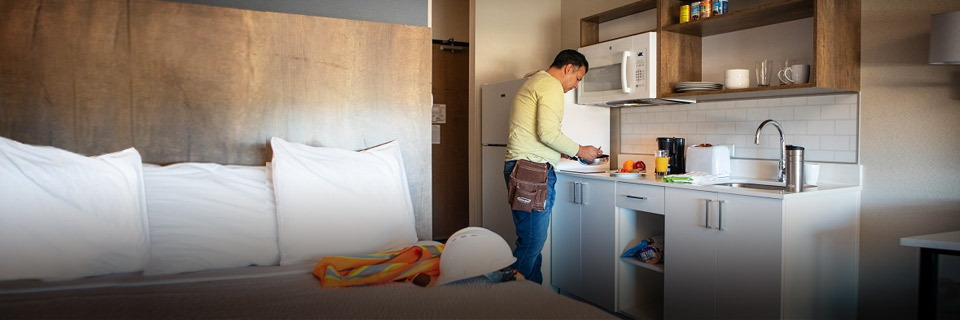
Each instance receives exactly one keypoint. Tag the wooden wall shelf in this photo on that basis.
(762, 15)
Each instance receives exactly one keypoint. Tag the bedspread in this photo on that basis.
(291, 293)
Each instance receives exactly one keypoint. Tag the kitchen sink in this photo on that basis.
(752, 186)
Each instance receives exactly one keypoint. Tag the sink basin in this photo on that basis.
(752, 186)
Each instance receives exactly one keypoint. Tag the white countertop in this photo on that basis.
(651, 179)
(944, 241)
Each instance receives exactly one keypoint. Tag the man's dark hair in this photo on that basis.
(570, 56)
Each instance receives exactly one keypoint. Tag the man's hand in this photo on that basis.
(588, 153)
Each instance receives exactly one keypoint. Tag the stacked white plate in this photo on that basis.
(696, 86)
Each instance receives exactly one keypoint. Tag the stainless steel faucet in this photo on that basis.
(781, 166)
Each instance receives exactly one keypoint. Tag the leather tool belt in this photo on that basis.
(527, 186)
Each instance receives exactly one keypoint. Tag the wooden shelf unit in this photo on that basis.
(836, 43)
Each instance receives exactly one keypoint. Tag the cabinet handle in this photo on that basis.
(584, 192)
(636, 197)
(706, 222)
(720, 215)
(576, 192)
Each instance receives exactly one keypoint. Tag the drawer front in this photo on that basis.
(640, 197)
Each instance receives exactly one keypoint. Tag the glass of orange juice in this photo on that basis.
(661, 161)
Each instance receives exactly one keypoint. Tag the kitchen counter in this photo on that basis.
(651, 179)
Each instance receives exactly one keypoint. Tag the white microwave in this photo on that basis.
(622, 69)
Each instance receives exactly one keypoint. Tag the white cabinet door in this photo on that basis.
(565, 237)
(748, 257)
(597, 244)
(689, 255)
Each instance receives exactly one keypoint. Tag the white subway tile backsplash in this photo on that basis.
(746, 104)
(768, 102)
(826, 126)
(818, 155)
(716, 115)
(794, 101)
(807, 113)
(680, 116)
(706, 127)
(758, 114)
(835, 112)
(821, 127)
(840, 143)
(736, 114)
(845, 156)
(846, 127)
(820, 100)
(726, 128)
(850, 98)
(781, 113)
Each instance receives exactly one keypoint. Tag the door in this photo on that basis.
(689, 254)
(565, 237)
(598, 249)
(450, 179)
(748, 257)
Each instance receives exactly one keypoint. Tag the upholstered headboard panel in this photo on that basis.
(184, 82)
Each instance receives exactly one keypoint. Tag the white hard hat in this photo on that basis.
(471, 252)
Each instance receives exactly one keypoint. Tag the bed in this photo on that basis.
(208, 215)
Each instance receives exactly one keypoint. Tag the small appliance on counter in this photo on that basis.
(675, 150)
(714, 160)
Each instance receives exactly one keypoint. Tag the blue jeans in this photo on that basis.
(531, 229)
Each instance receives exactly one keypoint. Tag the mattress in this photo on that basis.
(280, 292)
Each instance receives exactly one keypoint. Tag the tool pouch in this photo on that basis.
(528, 186)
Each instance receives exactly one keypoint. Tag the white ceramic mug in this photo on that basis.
(811, 173)
(736, 79)
(798, 73)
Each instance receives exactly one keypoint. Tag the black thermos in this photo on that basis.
(674, 147)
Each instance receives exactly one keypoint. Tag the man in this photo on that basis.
(535, 135)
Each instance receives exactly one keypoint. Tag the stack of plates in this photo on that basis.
(696, 86)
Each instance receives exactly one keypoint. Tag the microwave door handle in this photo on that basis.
(623, 72)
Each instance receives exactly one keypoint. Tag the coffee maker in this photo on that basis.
(674, 147)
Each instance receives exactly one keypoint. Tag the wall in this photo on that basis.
(909, 148)
(451, 19)
(408, 12)
(507, 39)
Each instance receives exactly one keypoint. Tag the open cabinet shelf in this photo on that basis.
(634, 261)
(834, 46)
(762, 15)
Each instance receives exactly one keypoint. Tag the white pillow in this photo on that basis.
(336, 202)
(209, 216)
(64, 216)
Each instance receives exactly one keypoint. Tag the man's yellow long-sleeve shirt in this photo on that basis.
(535, 122)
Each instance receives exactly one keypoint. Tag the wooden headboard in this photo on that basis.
(183, 82)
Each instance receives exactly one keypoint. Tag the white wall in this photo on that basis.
(910, 146)
(507, 40)
(451, 19)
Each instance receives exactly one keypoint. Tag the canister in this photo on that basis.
(695, 10)
(794, 168)
(684, 13)
(705, 9)
(719, 7)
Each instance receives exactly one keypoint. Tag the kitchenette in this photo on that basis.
(756, 211)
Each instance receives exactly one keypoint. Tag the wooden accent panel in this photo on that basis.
(451, 211)
(183, 82)
(590, 26)
(63, 79)
(837, 45)
(679, 56)
(589, 33)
